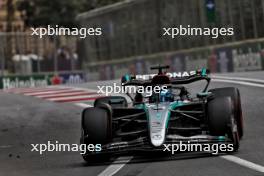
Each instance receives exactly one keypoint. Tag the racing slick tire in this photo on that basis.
(113, 101)
(96, 129)
(221, 119)
(236, 100)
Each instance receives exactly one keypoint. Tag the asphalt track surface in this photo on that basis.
(27, 120)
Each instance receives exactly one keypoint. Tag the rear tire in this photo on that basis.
(236, 100)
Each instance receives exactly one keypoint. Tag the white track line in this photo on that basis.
(31, 90)
(239, 82)
(5, 146)
(66, 94)
(75, 97)
(83, 105)
(244, 163)
(239, 79)
(51, 92)
(115, 166)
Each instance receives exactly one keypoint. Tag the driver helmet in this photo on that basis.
(166, 95)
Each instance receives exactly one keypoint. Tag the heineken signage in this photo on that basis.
(8, 82)
(15, 81)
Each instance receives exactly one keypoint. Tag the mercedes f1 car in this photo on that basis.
(166, 117)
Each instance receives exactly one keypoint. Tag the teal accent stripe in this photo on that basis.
(127, 77)
(203, 72)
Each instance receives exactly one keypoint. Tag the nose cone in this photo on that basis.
(158, 117)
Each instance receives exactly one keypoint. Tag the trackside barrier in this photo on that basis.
(40, 80)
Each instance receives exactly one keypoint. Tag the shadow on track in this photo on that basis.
(145, 158)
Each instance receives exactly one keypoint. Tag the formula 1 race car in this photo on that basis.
(168, 116)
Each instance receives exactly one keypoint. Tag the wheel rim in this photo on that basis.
(234, 133)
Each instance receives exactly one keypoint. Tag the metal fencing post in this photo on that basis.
(262, 5)
(230, 16)
(55, 56)
(71, 53)
(241, 18)
(2, 54)
(38, 57)
(254, 20)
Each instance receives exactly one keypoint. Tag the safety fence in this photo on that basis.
(234, 57)
(134, 27)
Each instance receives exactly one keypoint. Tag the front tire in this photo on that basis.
(96, 129)
(113, 101)
(221, 119)
(236, 101)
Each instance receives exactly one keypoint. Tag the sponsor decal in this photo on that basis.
(171, 75)
(156, 137)
(156, 124)
(75, 78)
(181, 74)
(56, 80)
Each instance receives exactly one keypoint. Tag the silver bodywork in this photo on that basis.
(158, 115)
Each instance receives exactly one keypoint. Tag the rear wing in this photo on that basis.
(190, 77)
(174, 75)
(175, 78)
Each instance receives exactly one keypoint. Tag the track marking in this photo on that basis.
(76, 98)
(239, 82)
(59, 94)
(66, 94)
(31, 90)
(51, 92)
(239, 79)
(244, 163)
(115, 166)
(83, 105)
(5, 146)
